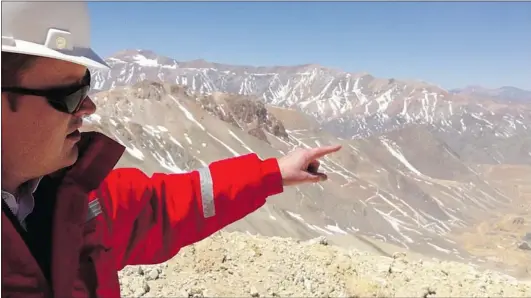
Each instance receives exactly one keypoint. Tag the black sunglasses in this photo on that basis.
(67, 99)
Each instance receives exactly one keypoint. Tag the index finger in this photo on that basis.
(316, 153)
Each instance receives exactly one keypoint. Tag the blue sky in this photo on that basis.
(450, 44)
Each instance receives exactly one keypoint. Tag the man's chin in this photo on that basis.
(72, 156)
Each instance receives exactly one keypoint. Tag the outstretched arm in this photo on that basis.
(153, 218)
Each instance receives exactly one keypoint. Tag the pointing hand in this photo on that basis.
(302, 165)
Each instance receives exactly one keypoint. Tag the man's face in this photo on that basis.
(36, 138)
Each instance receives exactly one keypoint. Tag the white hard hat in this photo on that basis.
(58, 30)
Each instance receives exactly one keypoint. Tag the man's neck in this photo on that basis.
(12, 184)
(27, 187)
(11, 188)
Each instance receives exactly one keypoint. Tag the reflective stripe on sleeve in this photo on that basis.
(207, 192)
(94, 209)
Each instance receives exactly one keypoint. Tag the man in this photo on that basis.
(69, 221)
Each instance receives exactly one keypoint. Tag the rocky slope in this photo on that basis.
(242, 265)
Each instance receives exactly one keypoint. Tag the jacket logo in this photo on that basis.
(94, 209)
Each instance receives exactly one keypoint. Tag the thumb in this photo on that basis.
(314, 177)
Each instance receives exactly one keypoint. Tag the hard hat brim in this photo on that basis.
(82, 56)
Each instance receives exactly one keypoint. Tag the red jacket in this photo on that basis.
(105, 219)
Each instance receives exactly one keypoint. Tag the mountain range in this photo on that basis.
(420, 166)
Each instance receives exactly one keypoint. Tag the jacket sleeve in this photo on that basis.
(152, 218)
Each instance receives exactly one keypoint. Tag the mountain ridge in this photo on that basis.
(310, 65)
(348, 104)
(503, 93)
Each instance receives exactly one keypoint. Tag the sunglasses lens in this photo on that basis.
(74, 100)
(70, 103)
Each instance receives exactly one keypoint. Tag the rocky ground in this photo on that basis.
(240, 265)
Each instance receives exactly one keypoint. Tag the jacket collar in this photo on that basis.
(98, 154)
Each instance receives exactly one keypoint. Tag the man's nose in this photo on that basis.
(88, 107)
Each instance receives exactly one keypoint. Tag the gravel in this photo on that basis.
(240, 265)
